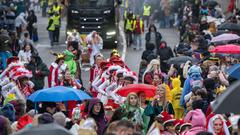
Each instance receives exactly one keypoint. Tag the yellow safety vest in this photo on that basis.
(56, 20)
(129, 25)
(135, 22)
(56, 9)
(124, 3)
(52, 27)
(146, 10)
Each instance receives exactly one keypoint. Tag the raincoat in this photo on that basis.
(69, 61)
(176, 93)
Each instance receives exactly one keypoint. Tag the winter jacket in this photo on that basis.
(38, 78)
(71, 64)
(5, 42)
(165, 53)
(100, 119)
(31, 20)
(158, 38)
(20, 20)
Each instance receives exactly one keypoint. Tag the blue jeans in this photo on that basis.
(162, 23)
(5, 56)
(50, 34)
(138, 41)
(167, 21)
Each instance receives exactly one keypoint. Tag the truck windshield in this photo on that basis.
(95, 3)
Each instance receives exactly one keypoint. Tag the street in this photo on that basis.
(173, 67)
(132, 57)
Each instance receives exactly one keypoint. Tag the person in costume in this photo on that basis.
(132, 111)
(168, 123)
(70, 62)
(68, 81)
(158, 104)
(217, 125)
(95, 44)
(56, 70)
(197, 120)
(95, 69)
(15, 79)
(152, 68)
(176, 93)
(99, 79)
(158, 80)
(114, 86)
(130, 77)
(194, 79)
(102, 94)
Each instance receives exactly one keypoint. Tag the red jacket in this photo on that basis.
(138, 28)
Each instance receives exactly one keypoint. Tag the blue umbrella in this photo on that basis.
(58, 94)
(234, 71)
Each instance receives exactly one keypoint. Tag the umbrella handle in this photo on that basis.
(35, 107)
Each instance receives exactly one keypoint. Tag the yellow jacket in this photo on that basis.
(176, 92)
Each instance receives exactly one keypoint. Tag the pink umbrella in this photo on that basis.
(227, 49)
(225, 37)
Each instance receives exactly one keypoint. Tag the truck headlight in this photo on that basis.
(74, 11)
(107, 12)
(111, 33)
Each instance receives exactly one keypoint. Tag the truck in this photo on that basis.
(85, 16)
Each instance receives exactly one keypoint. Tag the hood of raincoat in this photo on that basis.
(196, 118)
(176, 82)
(68, 55)
(92, 102)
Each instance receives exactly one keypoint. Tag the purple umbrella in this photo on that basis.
(225, 37)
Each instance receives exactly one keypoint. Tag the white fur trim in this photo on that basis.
(30, 83)
(18, 69)
(54, 65)
(23, 74)
(4, 81)
(185, 69)
(114, 68)
(111, 88)
(131, 75)
(185, 124)
(170, 120)
(211, 125)
(9, 67)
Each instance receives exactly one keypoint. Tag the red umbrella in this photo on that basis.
(227, 49)
(149, 90)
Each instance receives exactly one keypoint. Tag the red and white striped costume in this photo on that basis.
(10, 80)
(53, 76)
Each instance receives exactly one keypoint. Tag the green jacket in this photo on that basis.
(70, 62)
(130, 114)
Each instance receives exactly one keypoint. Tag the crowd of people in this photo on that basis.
(184, 90)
